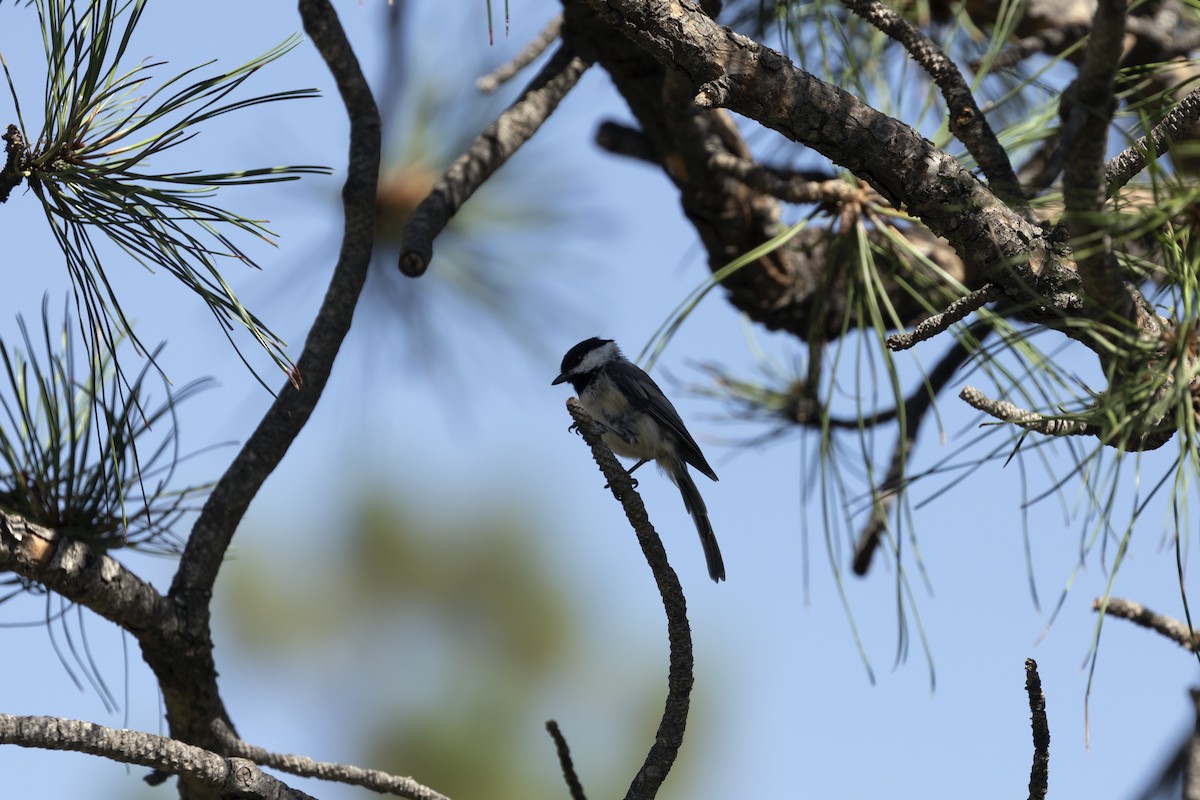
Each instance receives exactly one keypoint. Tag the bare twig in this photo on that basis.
(1089, 102)
(509, 70)
(564, 761)
(1039, 773)
(1174, 126)
(666, 745)
(230, 777)
(956, 311)
(373, 779)
(967, 121)
(916, 408)
(792, 189)
(1175, 630)
(515, 126)
(1030, 420)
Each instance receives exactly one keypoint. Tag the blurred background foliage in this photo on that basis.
(443, 627)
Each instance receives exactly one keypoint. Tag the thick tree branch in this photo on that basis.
(515, 126)
(679, 678)
(734, 72)
(227, 777)
(85, 576)
(967, 121)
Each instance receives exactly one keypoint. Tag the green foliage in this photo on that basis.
(104, 122)
(69, 446)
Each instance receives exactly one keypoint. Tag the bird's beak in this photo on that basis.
(558, 380)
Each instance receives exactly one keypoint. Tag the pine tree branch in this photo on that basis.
(373, 779)
(515, 126)
(1133, 159)
(83, 575)
(671, 728)
(1039, 772)
(510, 69)
(227, 777)
(1090, 103)
(967, 121)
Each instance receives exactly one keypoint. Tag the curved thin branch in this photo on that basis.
(294, 404)
(509, 70)
(1174, 126)
(564, 761)
(967, 121)
(667, 741)
(1039, 772)
(515, 126)
(373, 779)
(230, 777)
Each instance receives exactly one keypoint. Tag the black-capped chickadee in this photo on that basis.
(641, 423)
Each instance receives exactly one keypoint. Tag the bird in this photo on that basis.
(639, 422)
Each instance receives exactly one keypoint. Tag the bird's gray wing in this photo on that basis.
(642, 389)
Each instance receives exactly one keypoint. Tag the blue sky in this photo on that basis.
(783, 704)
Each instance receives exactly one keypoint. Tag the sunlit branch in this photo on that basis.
(373, 779)
(1030, 420)
(791, 189)
(1175, 630)
(1173, 127)
(81, 574)
(228, 777)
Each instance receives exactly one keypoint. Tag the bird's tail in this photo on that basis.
(694, 504)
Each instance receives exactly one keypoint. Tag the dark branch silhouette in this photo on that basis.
(679, 679)
(1039, 773)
